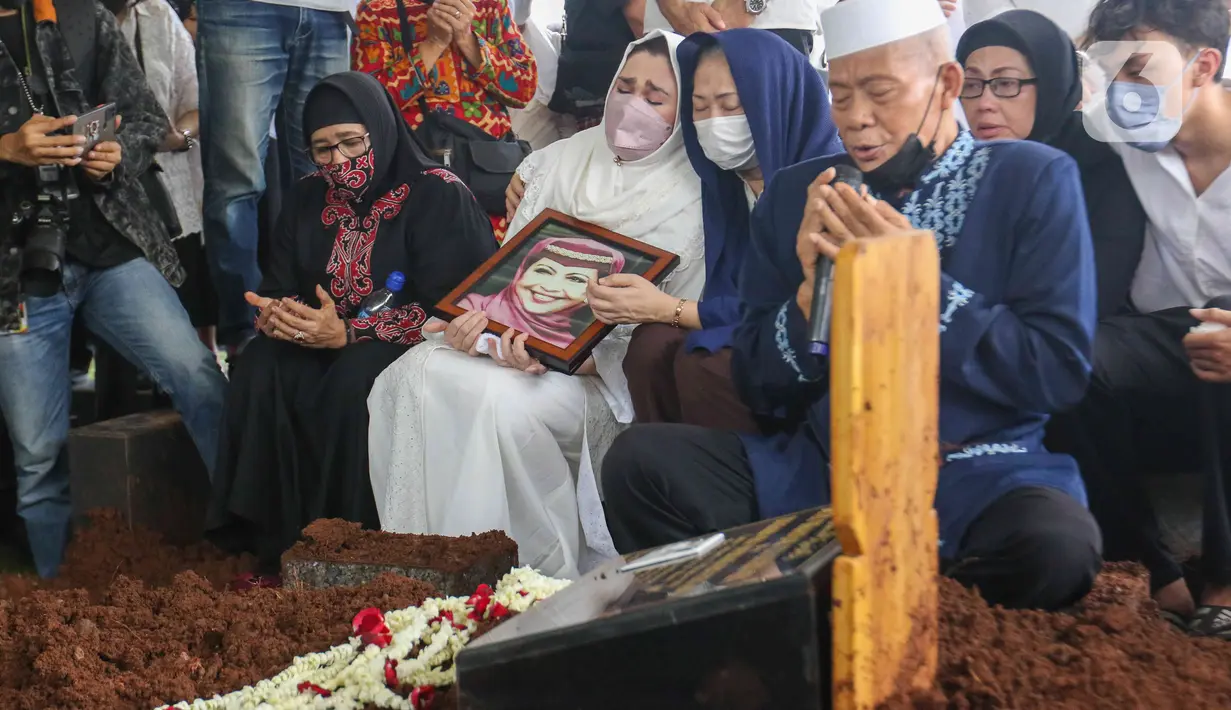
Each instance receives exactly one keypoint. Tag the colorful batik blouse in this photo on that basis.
(479, 95)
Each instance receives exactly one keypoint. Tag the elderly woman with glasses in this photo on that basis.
(295, 437)
(1024, 81)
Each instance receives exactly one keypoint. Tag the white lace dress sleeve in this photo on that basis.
(532, 172)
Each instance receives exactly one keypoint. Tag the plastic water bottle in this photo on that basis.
(382, 300)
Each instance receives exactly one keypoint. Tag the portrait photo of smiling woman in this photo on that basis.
(545, 293)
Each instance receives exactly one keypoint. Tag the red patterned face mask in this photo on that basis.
(352, 178)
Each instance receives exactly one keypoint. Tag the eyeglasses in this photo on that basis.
(1002, 87)
(349, 148)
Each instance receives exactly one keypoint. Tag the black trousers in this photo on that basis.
(799, 39)
(1033, 548)
(1146, 412)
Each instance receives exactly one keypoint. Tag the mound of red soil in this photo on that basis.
(332, 540)
(98, 638)
(105, 547)
(1112, 652)
(143, 647)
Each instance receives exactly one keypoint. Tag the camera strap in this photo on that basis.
(137, 39)
(24, 75)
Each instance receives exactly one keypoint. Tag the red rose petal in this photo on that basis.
(369, 625)
(378, 640)
(421, 697)
(314, 688)
(391, 673)
(368, 621)
(499, 611)
(523, 592)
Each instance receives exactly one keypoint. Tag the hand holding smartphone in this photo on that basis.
(97, 126)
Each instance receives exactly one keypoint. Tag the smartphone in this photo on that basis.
(97, 126)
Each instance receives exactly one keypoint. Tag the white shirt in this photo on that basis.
(778, 15)
(327, 5)
(171, 72)
(1187, 255)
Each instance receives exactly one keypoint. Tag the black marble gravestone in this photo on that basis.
(743, 627)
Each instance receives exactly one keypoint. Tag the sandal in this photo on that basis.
(1176, 620)
(1210, 621)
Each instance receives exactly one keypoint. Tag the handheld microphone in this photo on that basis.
(822, 295)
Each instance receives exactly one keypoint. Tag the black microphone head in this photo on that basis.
(848, 174)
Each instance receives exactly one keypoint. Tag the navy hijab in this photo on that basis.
(787, 105)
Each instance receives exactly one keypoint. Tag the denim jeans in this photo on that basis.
(252, 59)
(133, 309)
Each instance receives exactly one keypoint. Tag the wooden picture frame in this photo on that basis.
(542, 295)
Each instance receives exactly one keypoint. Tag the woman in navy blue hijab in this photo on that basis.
(758, 106)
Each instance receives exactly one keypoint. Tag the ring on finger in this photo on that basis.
(300, 336)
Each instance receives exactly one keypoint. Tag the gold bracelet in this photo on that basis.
(675, 322)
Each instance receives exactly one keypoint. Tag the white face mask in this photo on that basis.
(727, 140)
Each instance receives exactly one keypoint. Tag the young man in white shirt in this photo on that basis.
(1162, 372)
(254, 56)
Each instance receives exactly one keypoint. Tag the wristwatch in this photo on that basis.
(755, 7)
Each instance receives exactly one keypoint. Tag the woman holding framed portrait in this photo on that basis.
(758, 106)
(467, 439)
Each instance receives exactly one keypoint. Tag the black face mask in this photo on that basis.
(12, 4)
(904, 168)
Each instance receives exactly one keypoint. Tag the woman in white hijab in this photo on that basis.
(467, 437)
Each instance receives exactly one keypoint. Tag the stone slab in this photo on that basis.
(300, 572)
(744, 626)
(146, 466)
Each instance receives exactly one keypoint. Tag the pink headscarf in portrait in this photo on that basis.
(506, 308)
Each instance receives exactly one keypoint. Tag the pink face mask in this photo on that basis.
(634, 128)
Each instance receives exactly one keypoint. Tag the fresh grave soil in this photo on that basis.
(332, 540)
(133, 623)
(105, 547)
(1111, 652)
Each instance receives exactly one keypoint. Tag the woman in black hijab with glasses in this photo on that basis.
(1023, 81)
(295, 438)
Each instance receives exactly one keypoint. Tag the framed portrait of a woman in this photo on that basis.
(536, 284)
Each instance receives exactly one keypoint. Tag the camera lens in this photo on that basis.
(42, 260)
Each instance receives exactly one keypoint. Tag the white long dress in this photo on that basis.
(461, 445)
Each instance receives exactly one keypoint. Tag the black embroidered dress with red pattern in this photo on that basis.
(294, 441)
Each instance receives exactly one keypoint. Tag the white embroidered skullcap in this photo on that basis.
(855, 25)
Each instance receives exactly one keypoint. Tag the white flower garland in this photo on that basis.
(356, 674)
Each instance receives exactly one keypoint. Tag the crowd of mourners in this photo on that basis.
(1079, 192)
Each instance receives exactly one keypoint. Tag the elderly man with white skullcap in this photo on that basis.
(1017, 317)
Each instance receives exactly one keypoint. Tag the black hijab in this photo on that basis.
(354, 97)
(1117, 221)
(1052, 58)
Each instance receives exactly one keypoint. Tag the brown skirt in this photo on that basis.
(671, 385)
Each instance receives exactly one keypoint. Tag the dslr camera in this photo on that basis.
(42, 228)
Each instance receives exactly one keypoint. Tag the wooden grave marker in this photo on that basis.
(884, 417)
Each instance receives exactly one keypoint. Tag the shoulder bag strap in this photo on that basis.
(137, 39)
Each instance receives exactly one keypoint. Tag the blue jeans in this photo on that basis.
(133, 309)
(252, 58)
